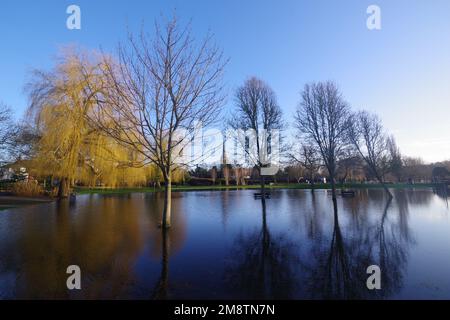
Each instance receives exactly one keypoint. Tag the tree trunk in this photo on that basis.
(226, 175)
(63, 189)
(263, 190)
(381, 180)
(333, 187)
(312, 182)
(161, 289)
(167, 203)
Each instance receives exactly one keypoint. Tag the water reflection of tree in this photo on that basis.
(166, 242)
(86, 236)
(392, 255)
(104, 235)
(403, 200)
(338, 271)
(261, 265)
(160, 292)
(178, 226)
(330, 275)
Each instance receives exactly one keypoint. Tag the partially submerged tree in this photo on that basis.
(160, 87)
(321, 118)
(365, 133)
(258, 115)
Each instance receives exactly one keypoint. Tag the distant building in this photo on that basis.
(6, 174)
(14, 172)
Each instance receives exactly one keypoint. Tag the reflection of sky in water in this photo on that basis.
(221, 246)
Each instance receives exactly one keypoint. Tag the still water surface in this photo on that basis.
(226, 245)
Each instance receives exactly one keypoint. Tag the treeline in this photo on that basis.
(351, 170)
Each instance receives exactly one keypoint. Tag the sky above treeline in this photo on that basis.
(401, 72)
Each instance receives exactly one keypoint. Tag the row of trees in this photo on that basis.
(116, 119)
(334, 133)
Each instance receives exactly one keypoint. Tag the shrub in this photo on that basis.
(27, 189)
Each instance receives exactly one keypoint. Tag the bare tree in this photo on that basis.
(7, 129)
(24, 139)
(309, 159)
(321, 118)
(257, 111)
(365, 133)
(159, 88)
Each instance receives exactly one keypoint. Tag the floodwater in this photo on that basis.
(226, 245)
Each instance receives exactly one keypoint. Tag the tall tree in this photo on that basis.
(257, 112)
(159, 87)
(365, 133)
(58, 106)
(66, 146)
(321, 118)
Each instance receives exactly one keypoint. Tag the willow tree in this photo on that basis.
(58, 106)
(158, 87)
(69, 148)
(107, 163)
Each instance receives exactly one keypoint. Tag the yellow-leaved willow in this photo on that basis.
(70, 149)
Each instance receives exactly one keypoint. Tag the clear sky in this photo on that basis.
(401, 72)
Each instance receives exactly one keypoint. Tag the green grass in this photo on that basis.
(84, 190)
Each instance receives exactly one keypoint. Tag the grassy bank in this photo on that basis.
(83, 190)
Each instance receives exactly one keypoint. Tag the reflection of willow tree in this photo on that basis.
(104, 235)
(261, 265)
(90, 239)
(338, 271)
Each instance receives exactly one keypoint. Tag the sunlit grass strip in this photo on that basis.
(100, 190)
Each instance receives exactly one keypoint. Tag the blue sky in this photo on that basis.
(401, 72)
